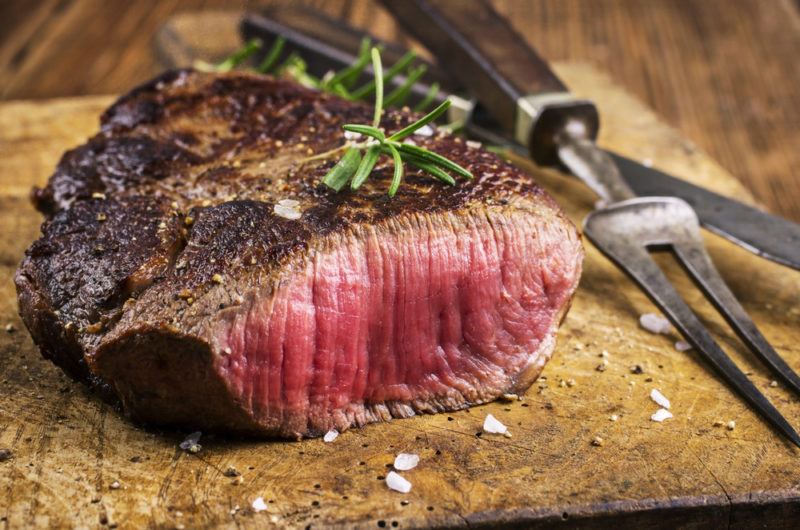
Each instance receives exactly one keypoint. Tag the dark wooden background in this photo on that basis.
(724, 72)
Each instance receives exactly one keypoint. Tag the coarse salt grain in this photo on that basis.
(661, 415)
(472, 144)
(259, 505)
(397, 483)
(191, 441)
(659, 398)
(682, 345)
(425, 130)
(330, 436)
(289, 203)
(406, 461)
(492, 425)
(655, 323)
(614, 417)
(286, 212)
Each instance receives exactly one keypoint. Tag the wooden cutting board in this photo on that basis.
(76, 462)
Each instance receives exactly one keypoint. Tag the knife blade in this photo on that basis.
(764, 234)
(331, 44)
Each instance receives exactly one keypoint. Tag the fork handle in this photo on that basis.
(480, 49)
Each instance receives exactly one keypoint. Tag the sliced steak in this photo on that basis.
(169, 274)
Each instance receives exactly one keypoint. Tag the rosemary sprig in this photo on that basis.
(399, 95)
(240, 56)
(339, 83)
(356, 169)
(348, 76)
(272, 56)
(401, 64)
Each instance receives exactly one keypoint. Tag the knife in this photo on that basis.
(327, 44)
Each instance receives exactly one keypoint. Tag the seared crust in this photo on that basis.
(176, 194)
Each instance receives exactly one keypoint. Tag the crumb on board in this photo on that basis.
(597, 441)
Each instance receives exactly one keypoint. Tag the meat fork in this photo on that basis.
(488, 57)
(629, 228)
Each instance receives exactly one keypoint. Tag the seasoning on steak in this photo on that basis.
(165, 275)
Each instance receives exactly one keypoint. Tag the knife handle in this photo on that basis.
(482, 51)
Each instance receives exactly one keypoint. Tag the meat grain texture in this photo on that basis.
(165, 279)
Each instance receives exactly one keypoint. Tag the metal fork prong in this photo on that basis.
(623, 232)
(698, 264)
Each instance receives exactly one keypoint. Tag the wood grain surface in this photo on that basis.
(724, 72)
(75, 462)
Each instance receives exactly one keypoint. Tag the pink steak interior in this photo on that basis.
(441, 312)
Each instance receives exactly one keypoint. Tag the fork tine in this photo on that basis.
(702, 269)
(623, 232)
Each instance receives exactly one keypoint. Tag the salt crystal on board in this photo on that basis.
(406, 461)
(397, 483)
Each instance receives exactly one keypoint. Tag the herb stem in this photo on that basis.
(391, 73)
(377, 68)
(238, 57)
(272, 55)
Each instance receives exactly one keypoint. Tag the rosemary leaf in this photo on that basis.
(399, 95)
(345, 168)
(428, 99)
(433, 170)
(296, 67)
(377, 68)
(429, 117)
(366, 166)
(239, 56)
(340, 91)
(390, 74)
(272, 56)
(366, 130)
(398, 170)
(434, 158)
(348, 76)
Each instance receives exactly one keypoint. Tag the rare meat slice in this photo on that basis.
(192, 266)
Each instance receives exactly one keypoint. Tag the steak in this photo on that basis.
(192, 266)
